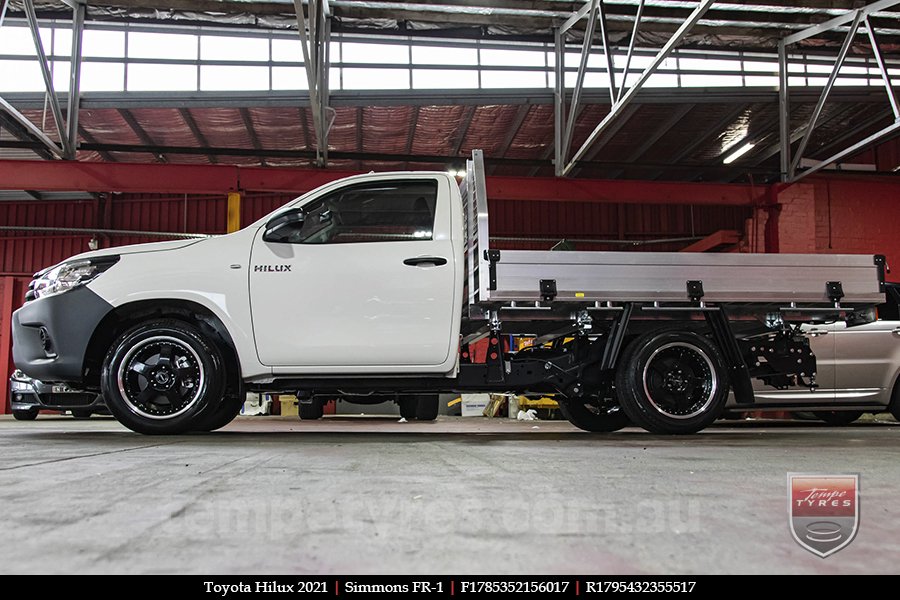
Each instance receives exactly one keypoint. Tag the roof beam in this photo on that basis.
(514, 128)
(439, 159)
(464, 124)
(86, 136)
(140, 133)
(47, 176)
(23, 132)
(189, 120)
(307, 140)
(251, 133)
(715, 129)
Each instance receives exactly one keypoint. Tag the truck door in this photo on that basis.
(364, 280)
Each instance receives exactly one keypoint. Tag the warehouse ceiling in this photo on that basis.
(671, 134)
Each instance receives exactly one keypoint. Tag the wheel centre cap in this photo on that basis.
(163, 378)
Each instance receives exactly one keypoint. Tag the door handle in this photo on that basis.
(895, 330)
(415, 261)
(818, 332)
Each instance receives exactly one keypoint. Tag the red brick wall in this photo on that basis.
(834, 216)
(856, 216)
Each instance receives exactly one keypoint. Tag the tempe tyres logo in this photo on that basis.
(823, 511)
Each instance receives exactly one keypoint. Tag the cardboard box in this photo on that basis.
(473, 405)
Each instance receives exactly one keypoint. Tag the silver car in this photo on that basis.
(27, 397)
(858, 370)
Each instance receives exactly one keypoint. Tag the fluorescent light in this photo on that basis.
(738, 153)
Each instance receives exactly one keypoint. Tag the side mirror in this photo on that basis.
(278, 227)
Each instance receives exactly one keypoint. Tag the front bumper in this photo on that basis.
(51, 335)
(26, 395)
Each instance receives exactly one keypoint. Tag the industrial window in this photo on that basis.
(388, 211)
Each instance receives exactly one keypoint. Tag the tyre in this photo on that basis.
(838, 418)
(312, 411)
(227, 411)
(672, 382)
(29, 414)
(427, 406)
(894, 406)
(163, 377)
(408, 405)
(81, 413)
(591, 414)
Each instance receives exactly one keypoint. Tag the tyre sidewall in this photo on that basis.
(575, 411)
(211, 393)
(630, 387)
(26, 415)
(427, 407)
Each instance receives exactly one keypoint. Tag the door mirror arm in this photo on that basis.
(279, 226)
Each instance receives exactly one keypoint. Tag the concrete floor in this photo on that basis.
(467, 496)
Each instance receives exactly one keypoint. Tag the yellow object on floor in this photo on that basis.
(537, 403)
(288, 405)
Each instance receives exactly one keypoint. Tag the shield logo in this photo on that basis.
(823, 511)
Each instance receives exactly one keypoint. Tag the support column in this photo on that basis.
(773, 210)
(234, 212)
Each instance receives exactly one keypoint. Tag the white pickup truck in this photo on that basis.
(375, 286)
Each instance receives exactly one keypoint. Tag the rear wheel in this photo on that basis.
(312, 411)
(407, 405)
(894, 407)
(594, 414)
(672, 382)
(29, 414)
(163, 377)
(427, 407)
(838, 418)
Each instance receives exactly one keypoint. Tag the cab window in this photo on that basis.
(384, 211)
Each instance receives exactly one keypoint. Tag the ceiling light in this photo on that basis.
(738, 153)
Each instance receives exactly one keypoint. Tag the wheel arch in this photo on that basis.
(128, 315)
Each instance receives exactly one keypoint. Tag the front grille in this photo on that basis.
(68, 399)
(29, 294)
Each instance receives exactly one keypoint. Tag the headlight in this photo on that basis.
(19, 381)
(71, 275)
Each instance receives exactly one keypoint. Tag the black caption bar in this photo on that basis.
(356, 587)
(214, 587)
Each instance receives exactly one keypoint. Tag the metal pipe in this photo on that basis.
(45, 72)
(848, 151)
(784, 119)
(633, 90)
(74, 100)
(611, 72)
(579, 80)
(558, 98)
(817, 112)
(631, 44)
(33, 129)
(836, 22)
(876, 51)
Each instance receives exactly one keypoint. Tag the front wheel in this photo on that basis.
(838, 418)
(29, 414)
(163, 377)
(672, 382)
(592, 414)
